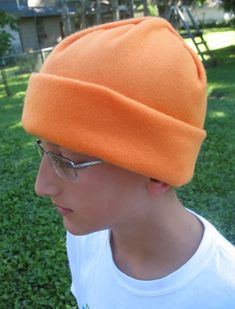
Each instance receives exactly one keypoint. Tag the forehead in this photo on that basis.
(70, 153)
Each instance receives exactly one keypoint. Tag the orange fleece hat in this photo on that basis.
(129, 92)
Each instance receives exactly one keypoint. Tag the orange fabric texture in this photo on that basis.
(129, 92)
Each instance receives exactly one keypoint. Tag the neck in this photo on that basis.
(158, 242)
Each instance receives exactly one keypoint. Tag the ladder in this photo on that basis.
(176, 17)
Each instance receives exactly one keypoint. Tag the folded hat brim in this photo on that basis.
(97, 121)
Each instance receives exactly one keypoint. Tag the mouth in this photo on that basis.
(63, 211)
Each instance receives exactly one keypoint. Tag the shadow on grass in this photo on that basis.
(226, 54)
(221, 78)
(221, 56)
(16, 84)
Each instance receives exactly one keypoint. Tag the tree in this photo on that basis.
(5, 37)
(163, 6)
(229, 5)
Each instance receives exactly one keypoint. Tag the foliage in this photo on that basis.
(5, 37)
(228, 5)
(33, 269)
(163, 6)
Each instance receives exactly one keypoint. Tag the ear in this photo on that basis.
(157, 187)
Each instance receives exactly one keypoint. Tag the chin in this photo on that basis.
(80, 229)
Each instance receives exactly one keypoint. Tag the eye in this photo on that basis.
(61, 162)
(56, 160)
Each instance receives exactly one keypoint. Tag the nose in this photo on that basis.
(46, 183)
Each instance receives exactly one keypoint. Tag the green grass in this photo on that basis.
(212, 191)
(214, 181)
(33, 268)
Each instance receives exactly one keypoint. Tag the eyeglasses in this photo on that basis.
(64, 167)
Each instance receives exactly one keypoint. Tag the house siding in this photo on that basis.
(52, 28)
(45, 34)
(28, 34)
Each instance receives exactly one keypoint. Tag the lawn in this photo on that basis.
(33, 269)
(212, 191)
(216, 38)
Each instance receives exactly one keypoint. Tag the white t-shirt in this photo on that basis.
(206, 281)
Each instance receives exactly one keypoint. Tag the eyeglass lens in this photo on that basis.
(62, 166)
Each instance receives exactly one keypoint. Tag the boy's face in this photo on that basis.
(104, 196)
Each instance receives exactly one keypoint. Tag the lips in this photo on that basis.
(63, 211)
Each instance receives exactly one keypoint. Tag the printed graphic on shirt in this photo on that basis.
(85, 307)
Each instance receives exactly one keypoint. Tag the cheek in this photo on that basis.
(94, 192)
(96, 199)
(94, 209)
(102, 198)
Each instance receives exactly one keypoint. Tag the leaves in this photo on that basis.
(228, 5)
(5, 37)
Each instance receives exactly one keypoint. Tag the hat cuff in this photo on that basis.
(95, 120)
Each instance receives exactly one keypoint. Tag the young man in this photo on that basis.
(128, 100)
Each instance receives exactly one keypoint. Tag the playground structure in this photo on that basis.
(177, 17)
